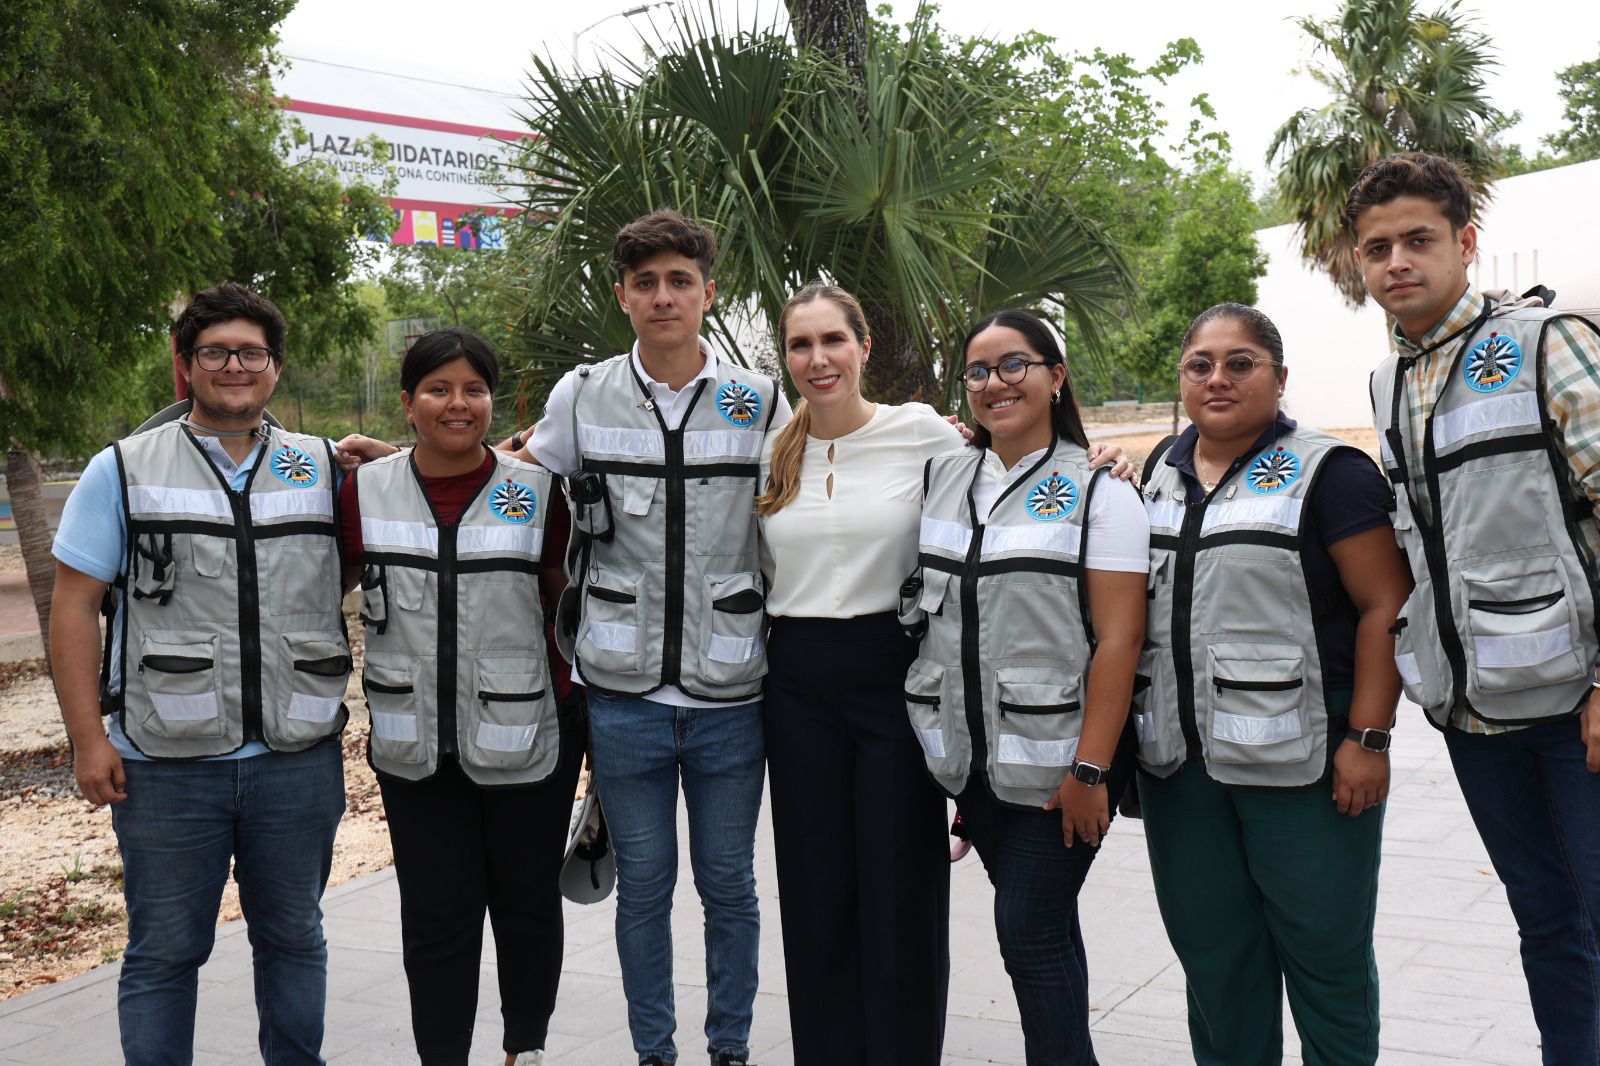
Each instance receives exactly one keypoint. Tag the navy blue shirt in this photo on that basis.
(1350, 496)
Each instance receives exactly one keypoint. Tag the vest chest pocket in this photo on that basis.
(1039, 720)
(734, 618)
(508, 728)
(320, 668)
(1520, 622)
(389, 682)
(178, 670)
(608, 635)
(933, 722)
(300, 575)
(1256, 704)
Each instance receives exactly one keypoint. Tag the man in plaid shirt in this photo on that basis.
(1496, 480)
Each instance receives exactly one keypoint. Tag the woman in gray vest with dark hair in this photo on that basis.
(1031, 571)
(476, 766)
(1263, 734)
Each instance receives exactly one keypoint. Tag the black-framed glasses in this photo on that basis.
(215, 357)
(1012, 369)
(1198, 369)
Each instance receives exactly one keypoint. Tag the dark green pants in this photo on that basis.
(1260, 890)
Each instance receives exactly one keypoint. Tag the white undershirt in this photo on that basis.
(1118, 531)
(554, 448)
(845, 555)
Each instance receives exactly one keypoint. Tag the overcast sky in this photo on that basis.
(1251, 51)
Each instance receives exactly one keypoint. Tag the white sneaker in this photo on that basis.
(530, 1058)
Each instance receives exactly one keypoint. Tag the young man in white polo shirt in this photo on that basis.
(661, 448)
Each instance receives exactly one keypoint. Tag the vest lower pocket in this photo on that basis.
(733, 622)
(609, 640)
(1418, 656)
(178, 671)
(1520, 625)
(1155, 711)
(512, 725)
(1039, 720)
(933, 721)
(1256, 705)
(320, 670)
(390, 686)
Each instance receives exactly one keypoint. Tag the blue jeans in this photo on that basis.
(274, 815)
(1036, 880)
(640, 749)
(1536, 806)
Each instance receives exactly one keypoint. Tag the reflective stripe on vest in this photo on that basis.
(1501, 622)
(671, 584)
(1000, 674)
(231, 628)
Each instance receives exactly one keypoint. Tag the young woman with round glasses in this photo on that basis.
(1031, 569)
(1274, 581)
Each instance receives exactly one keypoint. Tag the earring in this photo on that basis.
(1055, 397)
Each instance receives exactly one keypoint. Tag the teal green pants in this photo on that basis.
(1260, 890)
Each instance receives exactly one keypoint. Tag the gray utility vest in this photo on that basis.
(231, 628)
(456, 658)
(1231, 656)
(999, 680)
(1502, 619)
(671, 581)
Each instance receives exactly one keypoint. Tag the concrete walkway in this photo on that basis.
(1452, 986)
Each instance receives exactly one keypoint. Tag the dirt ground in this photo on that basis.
(61, 907)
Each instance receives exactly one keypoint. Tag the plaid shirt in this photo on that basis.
(1572, 378)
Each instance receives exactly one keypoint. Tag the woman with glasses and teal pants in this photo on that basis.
(1030, 594)
(1271, 687)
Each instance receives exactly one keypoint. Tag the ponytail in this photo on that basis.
(788, 451)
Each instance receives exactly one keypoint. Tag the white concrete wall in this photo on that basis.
(1541, 229)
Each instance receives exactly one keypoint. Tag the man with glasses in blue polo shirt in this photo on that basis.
(211, 538)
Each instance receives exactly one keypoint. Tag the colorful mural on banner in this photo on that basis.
(448, 191)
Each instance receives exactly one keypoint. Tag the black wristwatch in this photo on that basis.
(1087, 772)
(516, 441)
(1372, 739)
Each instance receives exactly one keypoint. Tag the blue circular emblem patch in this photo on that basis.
(739, 404)
(1273, 471)
(293, 467)
(1493, 363)
(512, 501)
(1051, 499)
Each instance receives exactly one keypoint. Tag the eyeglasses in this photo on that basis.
(215, 357)
(1012, 369)
(1238, 367)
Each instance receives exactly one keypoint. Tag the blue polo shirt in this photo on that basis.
(93, 540)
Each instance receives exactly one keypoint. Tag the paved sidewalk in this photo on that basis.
(1452, 985)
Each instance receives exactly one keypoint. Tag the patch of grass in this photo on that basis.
(74, 872)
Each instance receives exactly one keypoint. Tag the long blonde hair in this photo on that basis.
(789, 449)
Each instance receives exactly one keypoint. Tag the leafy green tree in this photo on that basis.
(1401, 80)
(1580, 88)
(932, 199)
(141, 164)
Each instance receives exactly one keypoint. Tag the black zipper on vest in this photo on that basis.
(249, 601)
(1194, 514)
(677, 534)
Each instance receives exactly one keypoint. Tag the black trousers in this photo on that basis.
(460, 849)
(862, 846)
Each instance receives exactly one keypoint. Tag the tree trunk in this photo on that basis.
(837, 27)
(896, 371)
(33, 533)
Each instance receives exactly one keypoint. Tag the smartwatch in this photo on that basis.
(1371, 739)
(1087, 772)
(1594, 675)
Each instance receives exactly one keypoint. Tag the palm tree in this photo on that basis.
(906, 187)
(1401, 81)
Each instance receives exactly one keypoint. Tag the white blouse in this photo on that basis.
(845, 555)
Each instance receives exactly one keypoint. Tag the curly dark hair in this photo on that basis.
(663, 231)
(1432, 177)
(225, 303)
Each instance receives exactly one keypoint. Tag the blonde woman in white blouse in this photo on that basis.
(863, 864)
